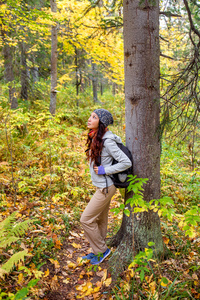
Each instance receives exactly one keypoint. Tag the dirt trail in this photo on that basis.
(72, 278)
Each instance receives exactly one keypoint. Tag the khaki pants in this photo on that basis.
(95, 218)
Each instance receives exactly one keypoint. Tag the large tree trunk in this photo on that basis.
(9, 75)
(141, 55)
(54, 43)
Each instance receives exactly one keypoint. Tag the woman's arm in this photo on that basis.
(122, 159)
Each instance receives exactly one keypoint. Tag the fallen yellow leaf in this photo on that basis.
(20, 278)
(55, 263)
(66, 281)
(96, 289)
(166, 240)
(107, 282)
(82, 274)
(152, 286)
(165, 282)
(132, 273)
(77, 246)
(87, 287)
(148, 278)
(81, 261)
(71, 265)
(46, 273)
(104, 275)
(181, 197)
(90, 273)
(38, 274)
(96, 296)
(74, 233)
(126, 287)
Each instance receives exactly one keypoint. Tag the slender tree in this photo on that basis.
(24, 73)
(94, 82)
(9, 74)
(54, 42)
(8, 60)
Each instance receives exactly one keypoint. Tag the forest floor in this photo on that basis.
(70, 277)
(56, 261)
(67, 276)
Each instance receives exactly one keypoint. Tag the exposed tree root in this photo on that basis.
(121, 258)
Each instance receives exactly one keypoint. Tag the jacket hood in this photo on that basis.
(112, 136)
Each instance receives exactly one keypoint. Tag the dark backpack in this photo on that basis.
(120, 179)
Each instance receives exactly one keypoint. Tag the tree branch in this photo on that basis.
(169, 14)
(162, 38)
(166, 56)
(169, 101)
(195, 2)
(190, 19)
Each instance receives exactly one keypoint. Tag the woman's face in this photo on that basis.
(93, 121)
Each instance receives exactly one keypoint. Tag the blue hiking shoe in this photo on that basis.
(88, 256)
(97, 259)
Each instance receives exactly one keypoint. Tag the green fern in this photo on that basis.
(4, 242)
(10, 232)
(6, 225)
(13, 261)
(20, 228)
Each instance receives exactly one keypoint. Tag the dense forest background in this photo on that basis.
(59, 61)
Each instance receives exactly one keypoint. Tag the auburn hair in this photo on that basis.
(95, 144)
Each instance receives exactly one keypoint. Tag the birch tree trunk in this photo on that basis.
(141, 55)
(54, 43)
(34, 70)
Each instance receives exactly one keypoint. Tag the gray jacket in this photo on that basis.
(110, 150)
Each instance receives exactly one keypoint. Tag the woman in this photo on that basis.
(101, 141)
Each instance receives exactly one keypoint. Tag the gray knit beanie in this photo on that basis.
(104, 116)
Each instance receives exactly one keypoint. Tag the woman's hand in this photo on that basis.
(96, 169)
(99, 170)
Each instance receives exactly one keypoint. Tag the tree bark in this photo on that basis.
(94, 82)
(54, 43)
(34, 70)
(9, 75)
(113, 88)
(78, 73)
(101, 86)
(123, 240)
(141, 56)
(24, 74)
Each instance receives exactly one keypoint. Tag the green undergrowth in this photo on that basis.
(44, 176)
(178, 179)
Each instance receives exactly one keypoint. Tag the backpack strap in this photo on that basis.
(99, 159)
